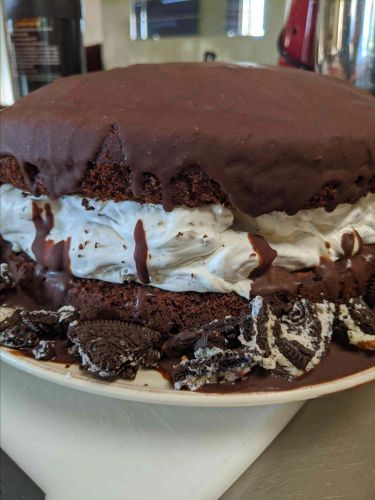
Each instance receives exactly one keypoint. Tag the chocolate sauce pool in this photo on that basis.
(62, 355)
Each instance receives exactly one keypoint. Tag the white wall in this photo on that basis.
(93, 15)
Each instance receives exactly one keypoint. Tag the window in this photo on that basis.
(153, 19)
(245, 18)
(162, 18)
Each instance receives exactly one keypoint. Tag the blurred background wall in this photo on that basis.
(119, 49)
(93, 17)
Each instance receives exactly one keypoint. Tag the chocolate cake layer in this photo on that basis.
(107, 179)
(170, 312)
(269, 138)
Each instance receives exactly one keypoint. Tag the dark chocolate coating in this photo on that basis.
(270, 137)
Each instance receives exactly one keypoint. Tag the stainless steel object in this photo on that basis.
(345, 41)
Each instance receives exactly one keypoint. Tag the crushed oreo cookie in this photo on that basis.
(6, 280)
(115, 348)
(357, 320)
(35, 331)
(44, 350)
(288, 342)
(227, 329)
(292, 344)
(222, 366)
(47, 323)
(209, 344)
(14, 333)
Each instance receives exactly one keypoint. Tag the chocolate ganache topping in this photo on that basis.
(271, 138)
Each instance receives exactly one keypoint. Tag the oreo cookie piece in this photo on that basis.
(6, 281)
(49, 323)
(358, 323)
(209, 344)
(44, 350)
(32, 330)
(226, 329)
(223, 366)
(14, 333)
(114, 348)
(291, 343)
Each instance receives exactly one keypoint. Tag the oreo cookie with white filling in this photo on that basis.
(226, 365)
(291, 344)
(115, 348)
(358, 323)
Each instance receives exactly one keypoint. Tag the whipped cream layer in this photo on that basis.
(203, 249)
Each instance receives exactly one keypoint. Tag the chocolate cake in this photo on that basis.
(219, 215)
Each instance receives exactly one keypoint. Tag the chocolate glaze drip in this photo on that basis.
(141, 252)
(348, 243)
(270, 137)
(52, 272)
(265, 253)
(54, 256)
(52, 286)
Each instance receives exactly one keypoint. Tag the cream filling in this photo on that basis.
(202, 249)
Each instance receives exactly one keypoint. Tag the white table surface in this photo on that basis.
(80, 446)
